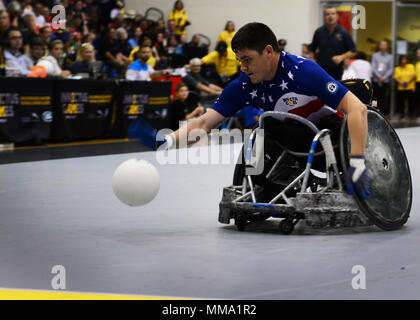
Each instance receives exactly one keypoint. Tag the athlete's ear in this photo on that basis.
(269, 50)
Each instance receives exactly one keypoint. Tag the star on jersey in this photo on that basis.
(253, 94)
(263, 98)
(290, 74)
(270, 98)
(283, 85)
(271, 84)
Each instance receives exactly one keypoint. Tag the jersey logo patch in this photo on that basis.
(290, 101)
(332, 87)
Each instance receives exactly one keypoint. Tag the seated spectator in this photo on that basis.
(13, 55)
(145, 42)
(174, 51)
(45, 33)
(51, 62)
(36, 52)
(170, 31)
(84, 59)
(36, 11)
(196, 82)
(227, 34)
(140, 70)
(115, 51)
(135, 40)
(225, 62)
(4, 23)
(194, 49)
(160, 26)
(185, 107)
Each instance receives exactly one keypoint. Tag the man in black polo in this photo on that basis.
(332, 44)
(196, 82)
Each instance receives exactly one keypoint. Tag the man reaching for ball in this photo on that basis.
(274, 80)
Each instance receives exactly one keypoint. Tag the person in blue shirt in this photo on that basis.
(272, 79)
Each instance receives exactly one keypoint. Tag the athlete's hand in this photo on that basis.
(149, 136)
(358, 177)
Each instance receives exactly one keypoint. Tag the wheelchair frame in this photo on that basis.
(338, 209)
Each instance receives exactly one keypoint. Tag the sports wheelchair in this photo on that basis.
(296, 171)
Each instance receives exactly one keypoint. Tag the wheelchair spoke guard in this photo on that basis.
(389, 204)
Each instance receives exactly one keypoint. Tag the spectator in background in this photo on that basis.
(196, 82)
(170, 31)
(112, 55)
(85, 55)
(305, 51)
(4, 23)
(348, 72)
(227, 34)
(185, 107)
(225, 62)
(417, 94)
(332, 44)
(140, 70)
(382, 69)
(405, 76)
(160, 44)
(362, 67)
(52, 62)
(282, 44)
(160, 26)
(13, 55)
(193, 48)
(45, 33)
(135, 40)
(45, 11)
(36, 52)
(179, 16)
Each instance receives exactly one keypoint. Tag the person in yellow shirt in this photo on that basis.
(227, 34)
(180, 17)
(405, 76)
(225, 62)
(417, 99)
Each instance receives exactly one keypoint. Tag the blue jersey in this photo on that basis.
(300, 86)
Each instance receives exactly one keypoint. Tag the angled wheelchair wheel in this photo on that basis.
(389, 204)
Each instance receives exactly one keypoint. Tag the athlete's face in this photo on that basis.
(257, 66)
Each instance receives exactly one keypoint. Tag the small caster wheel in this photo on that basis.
(241, 223)
(286, 226)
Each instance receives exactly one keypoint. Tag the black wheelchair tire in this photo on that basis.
(373, 216)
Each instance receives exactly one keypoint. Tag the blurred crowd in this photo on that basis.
(101, 39)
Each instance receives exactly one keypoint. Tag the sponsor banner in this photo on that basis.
(146, 100)
(82, 109)
(25, 110)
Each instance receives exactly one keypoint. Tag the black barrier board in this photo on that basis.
(148, 100)
(82, 109)
(25, 110)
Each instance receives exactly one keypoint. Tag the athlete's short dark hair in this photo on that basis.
(254, 36)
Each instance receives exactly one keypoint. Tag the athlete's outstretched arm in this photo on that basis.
(356, 120)
(207, 121)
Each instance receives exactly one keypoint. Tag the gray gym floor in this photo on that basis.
(63, 212)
